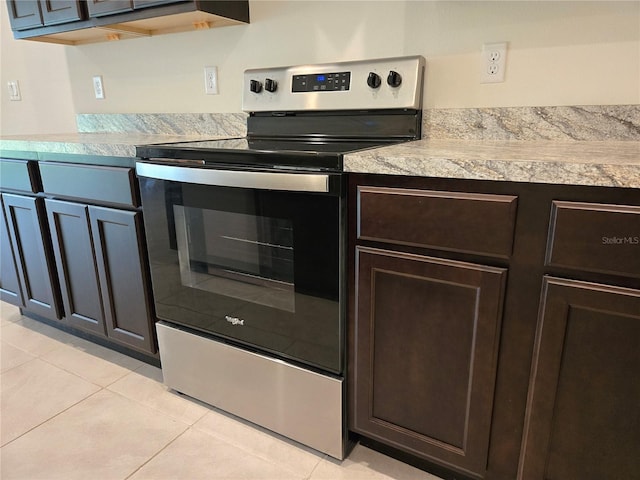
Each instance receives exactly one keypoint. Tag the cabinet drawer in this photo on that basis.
(112, 185)
(20, 175)
(595, 237)
(462, 222)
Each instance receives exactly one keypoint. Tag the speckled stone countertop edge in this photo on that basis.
(602, 163)
(101, 144)
(597, 163)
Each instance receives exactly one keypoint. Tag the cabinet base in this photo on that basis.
(104, 342)
(412, 460)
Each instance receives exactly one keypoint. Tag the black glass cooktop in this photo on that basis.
(262, 152)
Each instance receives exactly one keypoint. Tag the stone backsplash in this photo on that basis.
(214, 124)
(597, 123)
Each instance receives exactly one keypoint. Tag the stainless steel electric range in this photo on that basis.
(246, 242)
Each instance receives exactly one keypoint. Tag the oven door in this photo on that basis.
(252, 257)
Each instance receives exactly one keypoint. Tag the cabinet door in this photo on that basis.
(36, 269)
(24, 14)
(583, 411)
(98, 8)
(61, 11)
(77, 269)
(427, 334)
(9, 284)
(117, 238)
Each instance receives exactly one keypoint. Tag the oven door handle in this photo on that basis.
(290, 182)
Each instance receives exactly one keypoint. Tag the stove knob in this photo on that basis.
(394, 79)
(270, 85)
(255, 86)
(374, 80)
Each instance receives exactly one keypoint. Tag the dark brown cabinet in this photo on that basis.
(583, 410)
(30, 244)
(583, 415)
(77, 267)
(24, 15)
(595, 237)
(10, 290)
(425, 354)
(153, 3)
(541, 380)
(425, 328)
(98, 8)
(118, 242)
(77, 22)
(62, 11)
(28, 14)
(24, 283)
(100, 253)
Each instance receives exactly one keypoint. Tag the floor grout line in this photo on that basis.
(158, 452)
(305, 471)
(51, 418)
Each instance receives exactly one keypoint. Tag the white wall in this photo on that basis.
(560, 53)
(41, 70)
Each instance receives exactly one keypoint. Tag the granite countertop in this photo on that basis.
(115, 144)
(598, 163)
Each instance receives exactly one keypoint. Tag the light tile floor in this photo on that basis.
(70, 409)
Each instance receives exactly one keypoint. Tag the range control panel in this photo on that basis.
(321, 82)
(361, 85)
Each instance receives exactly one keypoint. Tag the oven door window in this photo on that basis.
(257, 267)
(248, 257)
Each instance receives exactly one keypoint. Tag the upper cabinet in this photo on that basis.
(76, 22)
(24, 15)
(98, 8)
(55, 12)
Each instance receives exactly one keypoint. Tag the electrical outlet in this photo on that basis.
(211, 80)
(14, 90)
(98, 88)
(493, 62)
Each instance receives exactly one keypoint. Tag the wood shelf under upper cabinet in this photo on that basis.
(157, 20)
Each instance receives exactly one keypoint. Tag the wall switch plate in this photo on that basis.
(211, 80)
(14, 90)
(493, 62)
(98, 88)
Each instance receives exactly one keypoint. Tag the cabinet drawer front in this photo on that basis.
(595, 237)
(461, 222)
(113, 185)
(98, 8)
(20, 175)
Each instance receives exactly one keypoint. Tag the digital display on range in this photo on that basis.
(321, 82)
